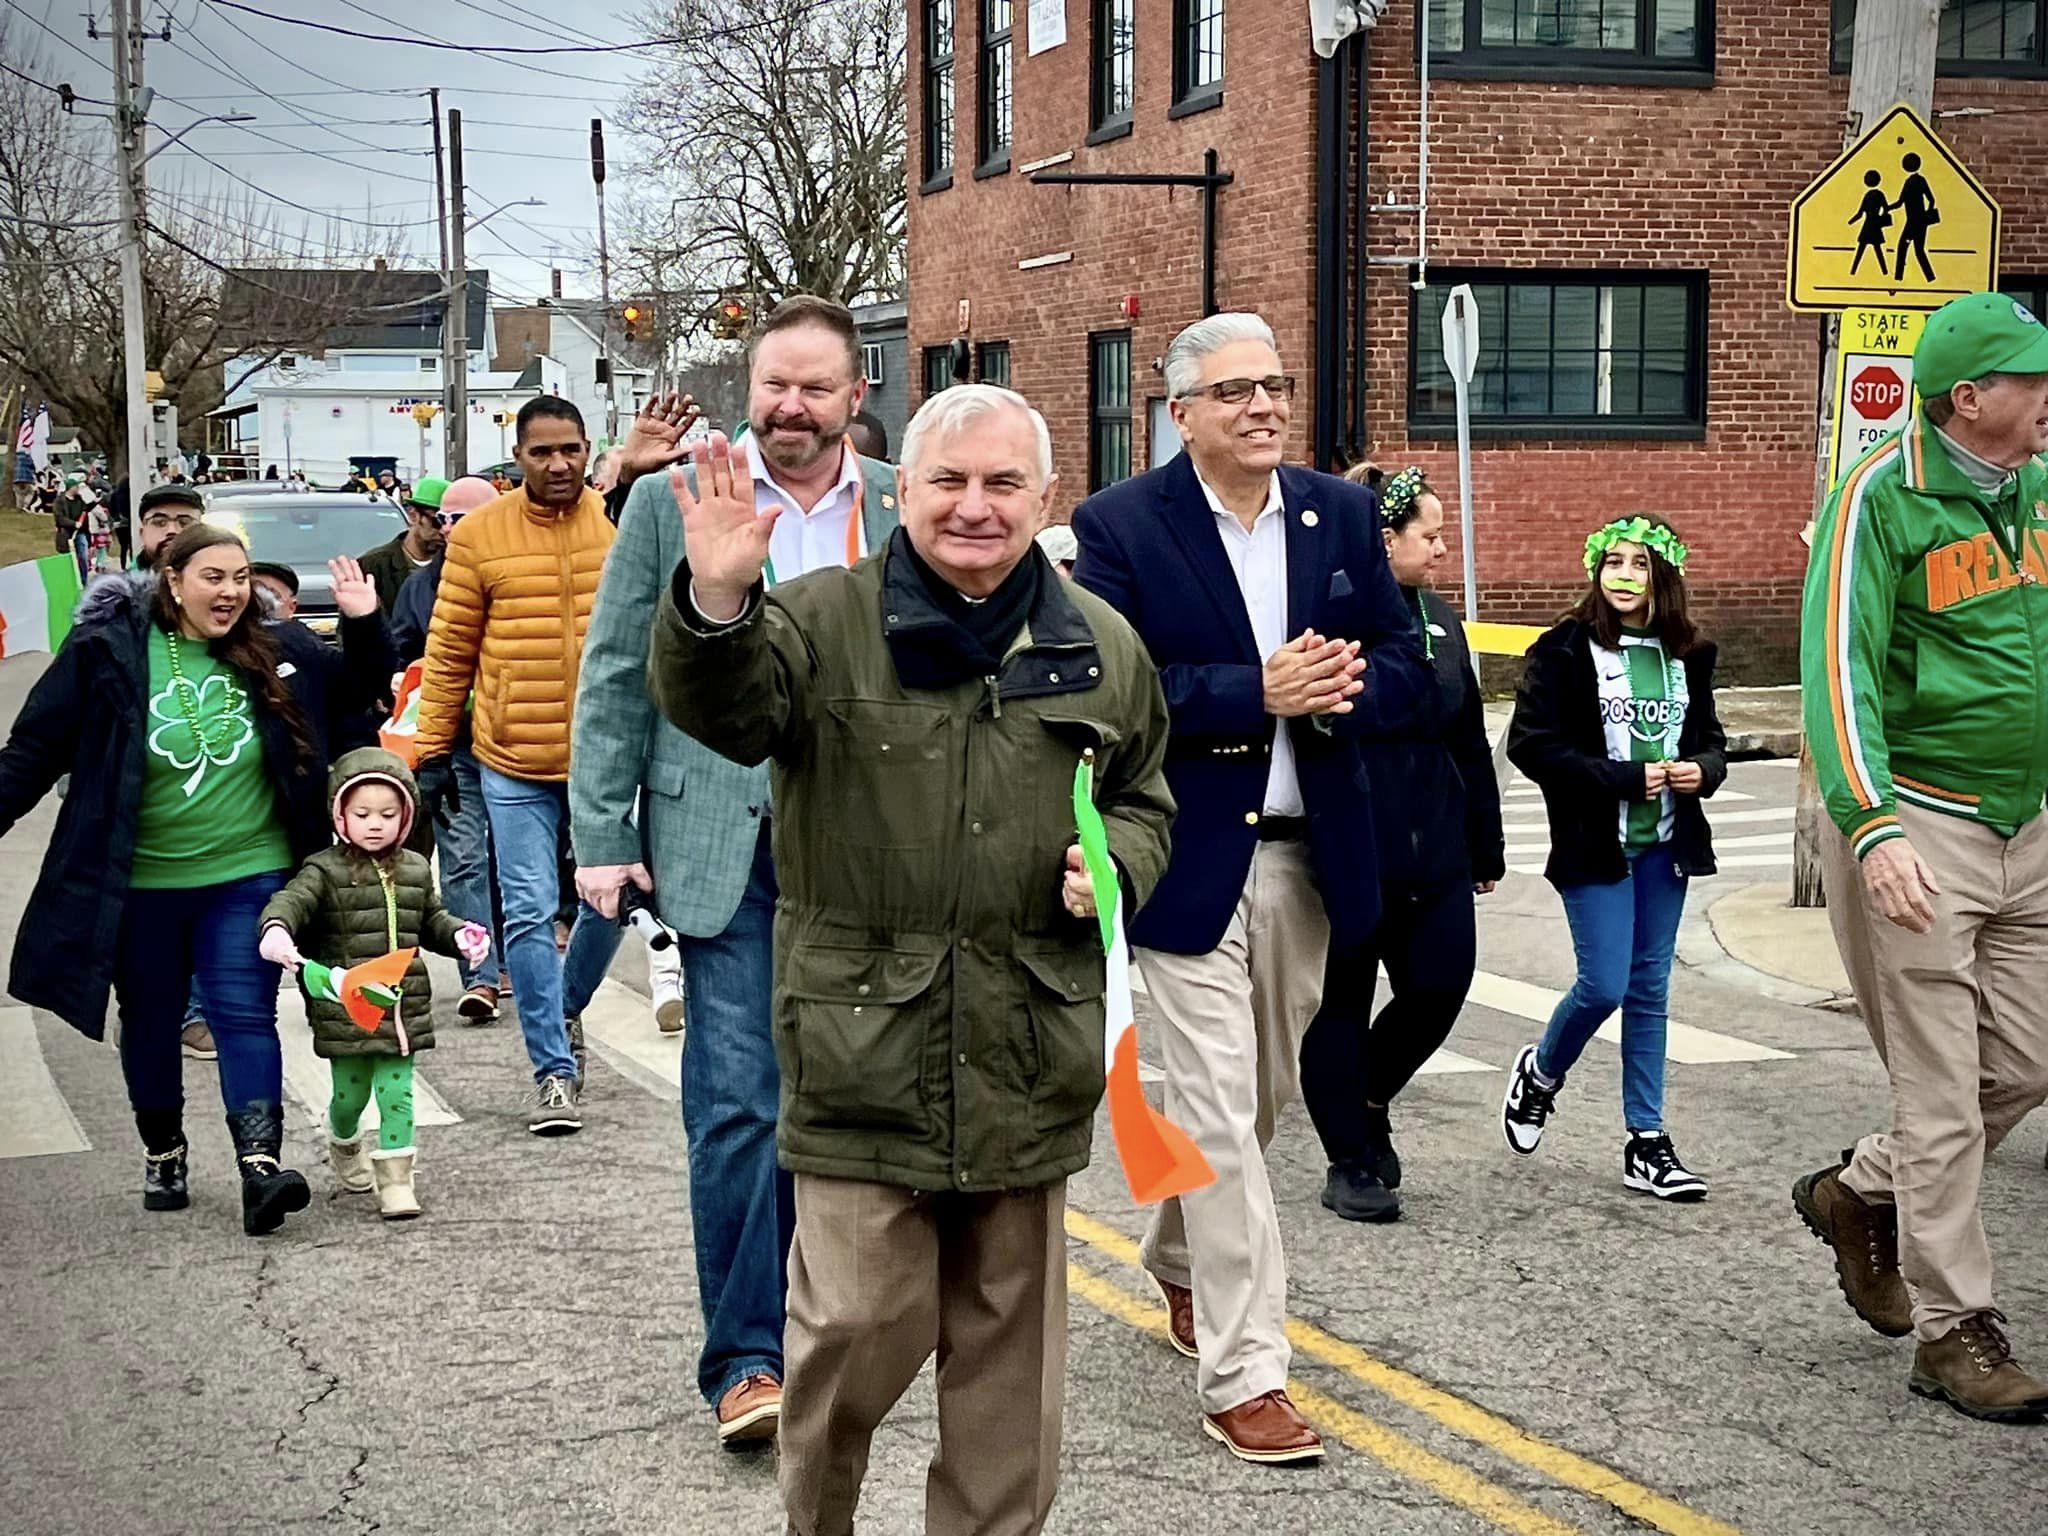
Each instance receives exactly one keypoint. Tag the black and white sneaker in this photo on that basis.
(1527, 1105)
(1650, 1166)
(555, 1112)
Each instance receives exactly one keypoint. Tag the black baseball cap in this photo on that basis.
(276, 572)
(172, 496)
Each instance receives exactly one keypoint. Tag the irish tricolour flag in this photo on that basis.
(396, 734)
(36, 601)
(1160, 1160)
(368, 991)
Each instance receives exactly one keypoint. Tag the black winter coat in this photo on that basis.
(1435, 805)
(88, 716)
(1557, 740)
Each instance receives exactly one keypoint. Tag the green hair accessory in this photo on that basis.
(1634, 530)
(1400, 491)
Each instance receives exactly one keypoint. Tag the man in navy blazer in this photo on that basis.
(1263, 594)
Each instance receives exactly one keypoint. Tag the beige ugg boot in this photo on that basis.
(395, 1199)
(350, 1163)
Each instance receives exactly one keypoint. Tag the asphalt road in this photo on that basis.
(1532, 1350)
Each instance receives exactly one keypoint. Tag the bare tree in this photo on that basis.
(778, 164)
(60, 313)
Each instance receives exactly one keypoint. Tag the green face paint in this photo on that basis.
(1616, 582)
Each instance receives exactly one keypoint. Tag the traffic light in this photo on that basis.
(729, 322)
(639, 322)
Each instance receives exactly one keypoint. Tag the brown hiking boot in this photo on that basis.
(1865, 1238)
(1972, 1370)
(1180, 1317)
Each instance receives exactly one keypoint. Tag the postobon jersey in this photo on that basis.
(1643, 701)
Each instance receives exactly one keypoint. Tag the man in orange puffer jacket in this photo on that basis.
(514, 601)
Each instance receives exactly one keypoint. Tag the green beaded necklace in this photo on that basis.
(211, 735)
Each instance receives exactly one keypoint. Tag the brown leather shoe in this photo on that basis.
(1865, 1238)
(1268, 1429)
(1180, 1316)
(750, 1412)
(1971, 1368)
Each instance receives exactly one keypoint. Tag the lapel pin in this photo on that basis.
(1308, 518)
(888, 503)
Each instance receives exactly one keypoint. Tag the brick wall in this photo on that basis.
(1523, 174)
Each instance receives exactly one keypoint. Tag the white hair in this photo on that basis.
(1184, 354)
(951, 409)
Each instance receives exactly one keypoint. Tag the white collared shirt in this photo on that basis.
(1259, 557)
(809, 541)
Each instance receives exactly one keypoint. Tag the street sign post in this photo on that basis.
(1461, 356)
(1873, 381)
(1897, 221)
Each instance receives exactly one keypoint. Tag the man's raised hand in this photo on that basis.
(725, 536)
(655, 439)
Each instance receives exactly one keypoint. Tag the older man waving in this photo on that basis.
(938, 1005)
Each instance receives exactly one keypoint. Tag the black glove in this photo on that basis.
(438, 794)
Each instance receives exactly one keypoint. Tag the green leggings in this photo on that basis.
(390, 1078)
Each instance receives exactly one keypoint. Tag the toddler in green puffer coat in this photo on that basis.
(367, 896)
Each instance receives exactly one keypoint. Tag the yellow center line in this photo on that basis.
(1455, 1413)
(1446, 1479)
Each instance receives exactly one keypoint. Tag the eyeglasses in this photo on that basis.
(447, 519)
(171, 520)
(1278, 386)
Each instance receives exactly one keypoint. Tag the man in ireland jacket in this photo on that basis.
(1924, 666)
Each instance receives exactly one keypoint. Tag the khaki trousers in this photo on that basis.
(879, 1278)
(1960, 1019)
(1231, 1023)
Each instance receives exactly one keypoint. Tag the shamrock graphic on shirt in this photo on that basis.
(220, 702)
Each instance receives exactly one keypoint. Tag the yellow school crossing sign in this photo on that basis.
(1897, 222)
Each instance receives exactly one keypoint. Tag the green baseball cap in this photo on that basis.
(1977, 334)
(426, 492)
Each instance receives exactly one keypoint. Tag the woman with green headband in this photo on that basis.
(1436, 819)
(1615, 723)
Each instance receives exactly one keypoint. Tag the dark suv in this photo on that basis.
(306, 529)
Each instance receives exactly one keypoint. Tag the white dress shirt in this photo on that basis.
(1259, 557)
(809, 541)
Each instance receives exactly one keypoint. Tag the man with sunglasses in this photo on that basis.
(392, 565)
(1262, 592)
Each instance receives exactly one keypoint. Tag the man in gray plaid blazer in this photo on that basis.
(650, 805)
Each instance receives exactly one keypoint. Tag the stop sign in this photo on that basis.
(1877, 392)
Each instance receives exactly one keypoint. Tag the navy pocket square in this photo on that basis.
(1340, 585)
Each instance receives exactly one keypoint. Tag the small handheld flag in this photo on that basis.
(396, 734)
(1160, 1159)
(368, 991)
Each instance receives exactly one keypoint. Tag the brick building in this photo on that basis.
(1612, 176)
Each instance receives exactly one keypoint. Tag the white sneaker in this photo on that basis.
(1650, 1166)
(665, 980)
(1527, 1105)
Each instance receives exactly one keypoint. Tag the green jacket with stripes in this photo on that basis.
(1924, 642)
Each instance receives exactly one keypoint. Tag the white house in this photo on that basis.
(329, 421)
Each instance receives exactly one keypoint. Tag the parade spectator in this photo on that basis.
(869, 437)
(1436, 812)
(392, 565)
(277, 588)
(120, 512)
(1923, 645)
(462, 834)
(1262, 592)
(351, 903)
(196, 740)
(1614, 721)
(70, 536)
(510, 613)
(651, 806)
(929, 895)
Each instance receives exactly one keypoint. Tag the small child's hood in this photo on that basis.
(372, 765)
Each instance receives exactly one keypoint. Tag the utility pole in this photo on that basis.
(457, 326)
(448, 465)
(128, 115)
(604, 287)
(1892, 61)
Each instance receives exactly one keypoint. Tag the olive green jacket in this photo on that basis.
(938, 1013)
(335, 910)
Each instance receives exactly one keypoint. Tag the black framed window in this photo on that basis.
(1522, 37)
(1977, 37)
(2030, 291)
(992, 363)
(995, 83)
(1109, 408)
(938, 370)
(1197, 53)
(1113, 64)
(1586, 354)
(938, 93)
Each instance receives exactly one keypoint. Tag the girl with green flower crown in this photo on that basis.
(1615, 723)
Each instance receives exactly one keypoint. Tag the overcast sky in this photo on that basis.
(355, 114)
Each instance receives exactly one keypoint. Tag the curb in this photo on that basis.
(1756, 744)
(1700, 949)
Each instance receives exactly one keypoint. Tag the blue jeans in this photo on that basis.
(464, 843)
(742, 1208)
(204, 937)
(1623, 935)
(526, 823)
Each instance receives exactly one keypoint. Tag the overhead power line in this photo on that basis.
(423, 40)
